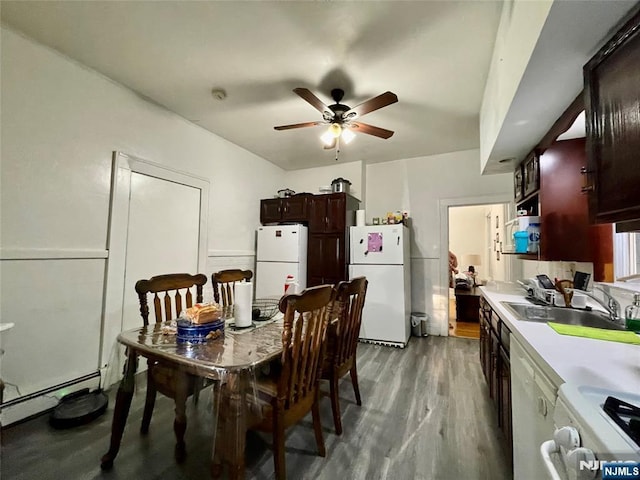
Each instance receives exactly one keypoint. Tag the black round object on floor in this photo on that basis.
(79, 408)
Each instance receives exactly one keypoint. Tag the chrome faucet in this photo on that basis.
(610, 304)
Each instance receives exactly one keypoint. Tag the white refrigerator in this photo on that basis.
(281, 251)
(381, 253)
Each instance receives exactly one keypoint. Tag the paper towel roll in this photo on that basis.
(242, 303)
(360, 218)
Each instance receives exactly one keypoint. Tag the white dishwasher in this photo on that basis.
(533, 398)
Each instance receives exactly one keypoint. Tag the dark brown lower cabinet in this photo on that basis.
(326, 262)
(496, 367)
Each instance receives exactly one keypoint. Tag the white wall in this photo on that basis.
(422, 186)
(60, 124)
(520, 25)
(310, 179)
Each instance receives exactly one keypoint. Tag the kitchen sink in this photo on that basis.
(566, 316)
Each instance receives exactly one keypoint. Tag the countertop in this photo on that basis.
(576, 360)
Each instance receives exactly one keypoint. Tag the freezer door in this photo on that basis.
(378, 244)
(384, 316)
(282, 243)
(270, 277)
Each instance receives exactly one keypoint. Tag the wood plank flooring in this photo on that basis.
(461, 329)
(426, 415)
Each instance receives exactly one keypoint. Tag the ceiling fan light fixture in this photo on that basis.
(347, 135)
(335, 129)
(327, 138)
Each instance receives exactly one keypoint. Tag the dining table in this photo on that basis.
(230, 362)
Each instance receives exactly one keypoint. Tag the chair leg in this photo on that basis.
(317, 426)
(278, 446)
(149, 403)
(335, 403)
(180, 422)
(354, 382)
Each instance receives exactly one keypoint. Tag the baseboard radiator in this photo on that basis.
(27, 406)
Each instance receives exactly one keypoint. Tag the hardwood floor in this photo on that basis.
(425, 415)
(461, 329)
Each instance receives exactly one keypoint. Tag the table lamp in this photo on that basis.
(473, 260)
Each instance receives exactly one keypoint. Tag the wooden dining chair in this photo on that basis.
(283, 399)
(342, 342)
(223, 282)
(168, 302)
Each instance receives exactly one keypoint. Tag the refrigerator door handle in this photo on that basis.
(398, 242)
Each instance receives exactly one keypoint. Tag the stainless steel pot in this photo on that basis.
(340, 185)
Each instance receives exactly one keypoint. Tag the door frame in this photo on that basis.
(123, 165)
(445, 203)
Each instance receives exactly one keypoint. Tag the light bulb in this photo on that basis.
(347, 135)
(327, 138)
(335, 129)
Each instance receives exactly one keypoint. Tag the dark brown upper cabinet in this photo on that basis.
(518, 184)
(290, 209)
(612, 101)
(531, 174)
(327, 213)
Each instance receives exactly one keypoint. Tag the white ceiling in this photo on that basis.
(434, 55)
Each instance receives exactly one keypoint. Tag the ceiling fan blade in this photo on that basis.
(370, 129)
(298, 125)
(314, 101)
(375, 103)
(332, 145)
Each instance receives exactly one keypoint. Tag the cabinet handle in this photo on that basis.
(587, 185)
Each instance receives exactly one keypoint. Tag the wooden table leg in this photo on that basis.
(237, 426)
(218, 426)
(121, 410)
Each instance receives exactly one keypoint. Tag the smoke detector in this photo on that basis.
(218, 93)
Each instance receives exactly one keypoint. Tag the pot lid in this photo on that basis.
(340, 180)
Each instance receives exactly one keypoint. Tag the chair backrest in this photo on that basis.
(223, 282)
(171, 303)
(306, 316)
(349, 302)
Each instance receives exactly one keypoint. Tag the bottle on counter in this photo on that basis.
(632, 314)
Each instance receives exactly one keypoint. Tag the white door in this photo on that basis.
(281, 243)
(163, 236)
(377, 244)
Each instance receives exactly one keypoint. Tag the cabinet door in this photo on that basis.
(504, 400)
(484, 350)
(336, 213)
(565, 230)
(270, 210)
(325, 260)
(612, 97)
(531, 174)
(294, 209)
(317, 213)
(518, 190)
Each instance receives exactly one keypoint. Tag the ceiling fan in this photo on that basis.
(342, 118)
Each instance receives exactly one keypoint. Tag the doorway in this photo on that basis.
(475, 236)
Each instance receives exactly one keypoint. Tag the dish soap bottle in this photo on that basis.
(632, 314)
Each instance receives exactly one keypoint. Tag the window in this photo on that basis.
(626, 253)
